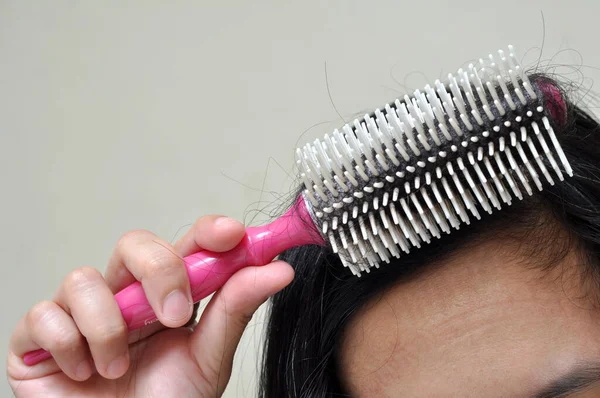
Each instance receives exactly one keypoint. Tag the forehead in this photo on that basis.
(477, 324)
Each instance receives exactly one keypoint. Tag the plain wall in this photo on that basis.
(120, 115)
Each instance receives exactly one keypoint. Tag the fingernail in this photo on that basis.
(84, 370)
(118, 367)
(176, 306)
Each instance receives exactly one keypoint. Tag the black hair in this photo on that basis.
(306, 320)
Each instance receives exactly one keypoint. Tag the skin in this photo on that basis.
(479, 324)
(94, 356)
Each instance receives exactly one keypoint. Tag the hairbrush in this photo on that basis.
(401, 176)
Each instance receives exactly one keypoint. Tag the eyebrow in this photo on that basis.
(576, 381)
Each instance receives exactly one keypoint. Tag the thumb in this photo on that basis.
(220, 328)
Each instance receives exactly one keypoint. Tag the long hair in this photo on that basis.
(306, 320)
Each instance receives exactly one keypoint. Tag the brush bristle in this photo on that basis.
(420, 167)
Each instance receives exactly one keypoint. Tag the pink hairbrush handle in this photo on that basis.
(208, 271)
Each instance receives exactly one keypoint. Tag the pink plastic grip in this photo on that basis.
(208, 271)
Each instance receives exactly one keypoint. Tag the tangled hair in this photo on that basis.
(307, 319)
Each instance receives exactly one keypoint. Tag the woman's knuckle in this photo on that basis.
(42, 320)
(162, 264)
(107, 334)
(66, 340)
(39, 312)
(130, 237)
(82, 277)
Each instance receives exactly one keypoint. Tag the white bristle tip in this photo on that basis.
(338, 172)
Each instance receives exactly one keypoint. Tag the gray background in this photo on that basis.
(120, 115)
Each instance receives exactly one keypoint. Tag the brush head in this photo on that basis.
(427, 164)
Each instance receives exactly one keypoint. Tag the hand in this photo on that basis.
(95, 356)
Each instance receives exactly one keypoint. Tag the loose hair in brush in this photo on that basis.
(426, 164)
(550, 157)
